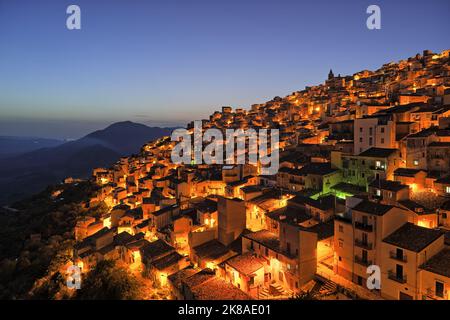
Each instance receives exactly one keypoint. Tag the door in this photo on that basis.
(404, 296)
(399, 271)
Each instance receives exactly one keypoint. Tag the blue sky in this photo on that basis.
(165, 61)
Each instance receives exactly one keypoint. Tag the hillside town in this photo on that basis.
(363, 180)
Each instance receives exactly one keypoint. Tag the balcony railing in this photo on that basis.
(395, 256)
(396, 277)
(363, 244)
(363, 262)
(431, 294)
(363, 226)
(377, 168)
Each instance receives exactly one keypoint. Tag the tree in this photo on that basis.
(107, 281)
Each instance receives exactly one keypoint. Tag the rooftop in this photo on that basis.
(246, 264)
(211, 250)
(439, 263)
(167, 261)
(378, 152)
(374, 208)
(155, 250)
(412, 237)
(265, 238)
(388, 185)
(405, 172)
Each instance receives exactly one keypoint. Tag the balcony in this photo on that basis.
(363, 226)
(362, 262)
(377, 168)
(431, 294)
(396, 277)
(395, 256)
(363, 244)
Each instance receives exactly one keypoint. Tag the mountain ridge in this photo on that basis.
(30, 172)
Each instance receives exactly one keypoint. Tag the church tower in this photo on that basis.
(330, 75)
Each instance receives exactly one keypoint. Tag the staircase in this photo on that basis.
(323, 287)
(264, 294)
(274, 291)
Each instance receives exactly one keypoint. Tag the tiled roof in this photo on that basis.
(439, 263)
(372, 207)
(388, 185)
(246, 264)
(211, 250)
(412, 237)
(265, 238)
(378, 152)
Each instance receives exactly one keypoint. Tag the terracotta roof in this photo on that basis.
(439, 263)
(265, 238)
(412, 237)
(246, 264)
(372, 207)
(211, 250)
(378, 152)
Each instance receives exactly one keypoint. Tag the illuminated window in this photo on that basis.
(378, 192)
(416, 162)
(447, 189)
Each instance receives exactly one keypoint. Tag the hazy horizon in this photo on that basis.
(172, 62)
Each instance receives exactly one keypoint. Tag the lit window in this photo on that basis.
(416, 162)
(447, 189)
(378, 192)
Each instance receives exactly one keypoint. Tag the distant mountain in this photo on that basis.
(28, 173)
(11, 146)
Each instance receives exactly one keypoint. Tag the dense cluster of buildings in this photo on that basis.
(364, 180)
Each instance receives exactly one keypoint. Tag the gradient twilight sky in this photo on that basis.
(165, 62)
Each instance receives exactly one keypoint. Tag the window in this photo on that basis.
(399, 271)
(360, 139)
(382, 131)
(370, 131)
(361, 130)
(382, 140)
(399, 254)
(377, 164)
(341, 244)
(340, 258)
(439, 288)
(416, 162)
(370, 141)
(365, 238)
(364, 255)
(378, 192)
(341, 228)
(447, 189)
